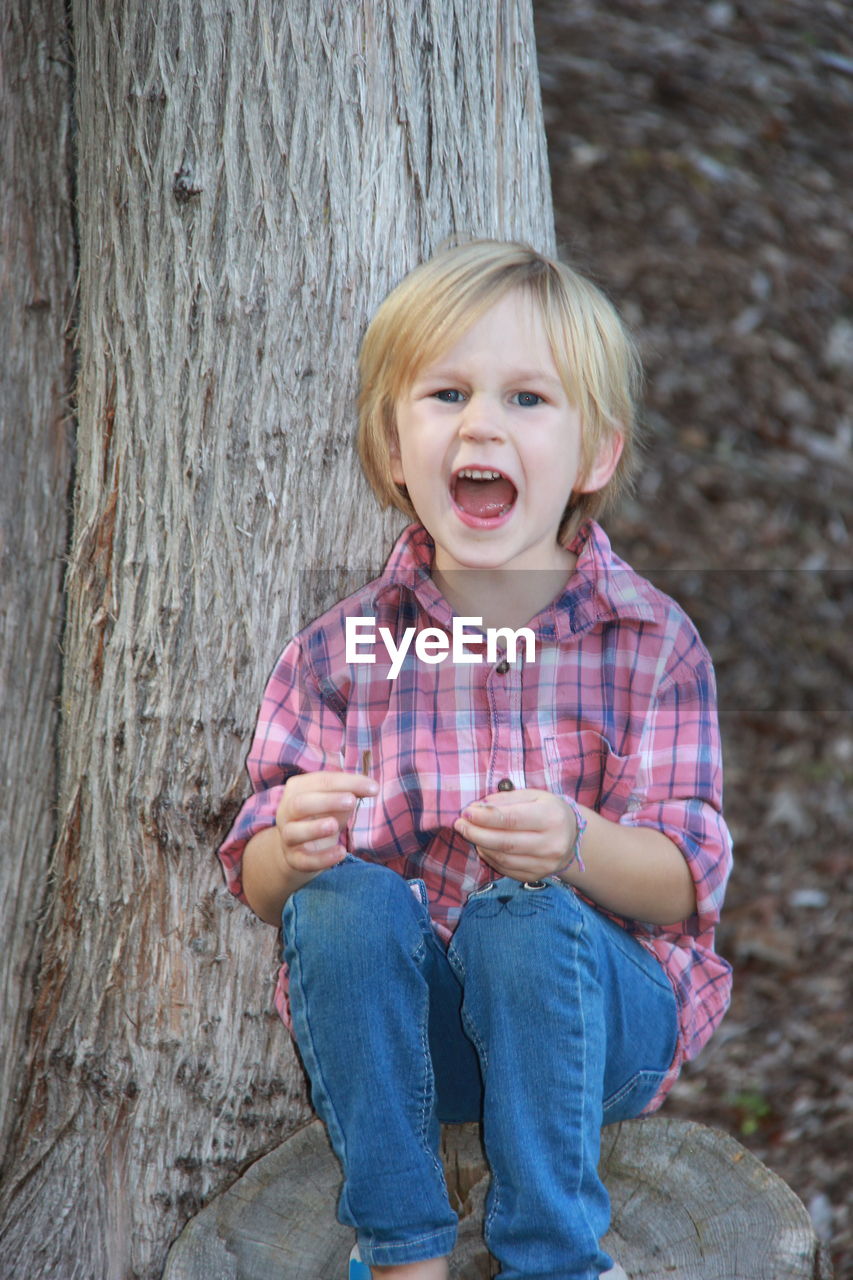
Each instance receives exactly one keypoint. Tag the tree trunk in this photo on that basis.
(36, 285)
(252, 180)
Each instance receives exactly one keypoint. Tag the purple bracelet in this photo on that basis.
(575, 855)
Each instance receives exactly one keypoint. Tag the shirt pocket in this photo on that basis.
(583, 766)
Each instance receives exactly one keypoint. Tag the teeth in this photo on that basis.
(474, 473)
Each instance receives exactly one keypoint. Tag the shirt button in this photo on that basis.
(506, 784)
(503, 667)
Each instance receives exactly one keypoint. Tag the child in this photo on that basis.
(487, 786)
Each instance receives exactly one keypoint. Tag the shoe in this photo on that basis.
(358, 1270)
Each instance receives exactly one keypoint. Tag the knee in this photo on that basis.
(350, 910)
(516, 930)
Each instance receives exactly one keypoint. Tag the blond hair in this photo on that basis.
(437, 302)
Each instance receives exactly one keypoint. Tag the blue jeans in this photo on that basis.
(542, 1018)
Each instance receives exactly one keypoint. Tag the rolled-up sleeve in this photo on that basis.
(679, 783)
(299, 730)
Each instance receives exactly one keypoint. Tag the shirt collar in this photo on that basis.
(602, 587)
(409, 566)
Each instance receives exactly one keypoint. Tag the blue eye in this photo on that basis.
(528, 399)
(449, 395)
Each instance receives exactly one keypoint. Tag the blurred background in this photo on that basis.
(702, 170)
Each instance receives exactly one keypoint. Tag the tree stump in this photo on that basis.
(688, 1202)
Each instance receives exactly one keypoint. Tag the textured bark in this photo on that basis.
(36, 283)
(252, 179)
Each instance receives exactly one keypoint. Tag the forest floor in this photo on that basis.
(702, 172)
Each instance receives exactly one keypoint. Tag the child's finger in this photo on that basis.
(524, 815)
(318, 804)
(520, 868)
(496, 839)
(332, 781)
(314, 847)
(296, 834)
(316, 856)
(514, 799)
(359, 783)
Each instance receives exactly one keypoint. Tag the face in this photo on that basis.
(489, 446)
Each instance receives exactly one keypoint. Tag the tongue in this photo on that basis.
(484, 498)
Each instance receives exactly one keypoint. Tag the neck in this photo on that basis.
(501, 597)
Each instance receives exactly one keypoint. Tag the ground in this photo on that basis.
(701, 170)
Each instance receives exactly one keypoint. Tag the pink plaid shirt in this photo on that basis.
(618, 710)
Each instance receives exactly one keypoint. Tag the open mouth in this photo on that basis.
(482, 495)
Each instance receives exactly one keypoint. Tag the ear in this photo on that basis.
(603, 465)
(396, 460)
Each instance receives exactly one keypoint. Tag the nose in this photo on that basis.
(482, 420)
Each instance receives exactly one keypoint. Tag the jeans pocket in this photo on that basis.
(632, 1097)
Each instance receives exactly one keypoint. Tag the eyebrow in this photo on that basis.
(533, 375)
(450, 374)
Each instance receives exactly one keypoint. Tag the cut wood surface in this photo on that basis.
(688, 1202)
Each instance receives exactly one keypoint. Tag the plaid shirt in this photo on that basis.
(617, 710)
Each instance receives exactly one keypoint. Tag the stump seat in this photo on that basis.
(688, 1203)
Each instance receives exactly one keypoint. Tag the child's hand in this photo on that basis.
(525, 834)
(312, 813)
